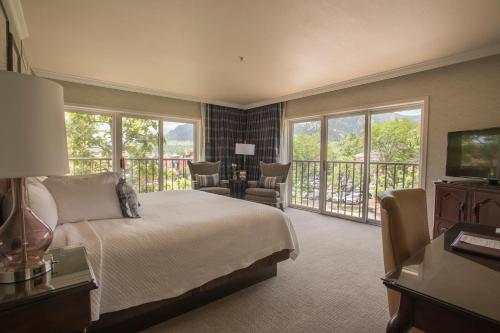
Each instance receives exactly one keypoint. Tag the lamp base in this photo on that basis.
(19, 274)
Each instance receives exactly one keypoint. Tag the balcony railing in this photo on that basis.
(345, 191)
(142, 173)
(89, 165)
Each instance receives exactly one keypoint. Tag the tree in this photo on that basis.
(89, 136)
(90, 145)
(140, 137)
(306, 146)
(392, 140)
(397, 140)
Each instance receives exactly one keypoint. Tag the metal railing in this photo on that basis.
(345, 185)
(306, 183)
(89, 165)
(142, 173)
(389, 175)
(176, 174)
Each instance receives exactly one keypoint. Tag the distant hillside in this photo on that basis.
(345, 125)
(182, 132)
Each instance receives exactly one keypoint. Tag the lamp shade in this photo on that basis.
(32, 128)
(244, 149)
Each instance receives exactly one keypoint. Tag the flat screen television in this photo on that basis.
(474, 154)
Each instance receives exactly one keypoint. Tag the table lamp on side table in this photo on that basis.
(244, 149)
(32, 143)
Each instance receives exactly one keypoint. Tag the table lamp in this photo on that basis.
(32, 143)
(244, 149)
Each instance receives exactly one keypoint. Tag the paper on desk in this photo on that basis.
(490, 243)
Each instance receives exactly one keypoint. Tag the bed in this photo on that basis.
(188, 248)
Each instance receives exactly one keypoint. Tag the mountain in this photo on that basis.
(341, 127)
(182, 132)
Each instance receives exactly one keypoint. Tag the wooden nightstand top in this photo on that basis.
(71, 273)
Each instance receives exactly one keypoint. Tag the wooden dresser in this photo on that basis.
(465, 201)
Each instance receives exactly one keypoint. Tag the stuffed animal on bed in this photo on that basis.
(129, 203)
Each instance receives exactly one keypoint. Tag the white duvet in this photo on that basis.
(182, 240)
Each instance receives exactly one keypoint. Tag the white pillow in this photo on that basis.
(91, 197)
(40, 201)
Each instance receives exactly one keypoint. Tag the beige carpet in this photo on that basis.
(333, 286)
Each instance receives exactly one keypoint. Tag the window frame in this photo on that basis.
(117, 132)
(420, 102)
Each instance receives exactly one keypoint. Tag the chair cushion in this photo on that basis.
(262, 192)
(216, 190)
(261, 199)
(268, 182)
(207, 180)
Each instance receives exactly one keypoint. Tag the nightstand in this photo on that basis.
(56, 302)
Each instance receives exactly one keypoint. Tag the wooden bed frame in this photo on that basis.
(143, 316)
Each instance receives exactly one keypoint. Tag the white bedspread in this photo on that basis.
(183, 240)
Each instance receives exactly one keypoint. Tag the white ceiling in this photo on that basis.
(191, 48)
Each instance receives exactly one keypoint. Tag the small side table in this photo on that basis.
(238, 188)
(55, 302)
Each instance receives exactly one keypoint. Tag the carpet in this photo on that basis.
(333, 286)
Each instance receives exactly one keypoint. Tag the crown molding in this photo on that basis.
(127, 87)
(402, 71)
(15, 14)
(393, 73)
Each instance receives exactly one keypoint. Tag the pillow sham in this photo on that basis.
(268, 182)
(207, 180)
(91, 197)
(129, 204)
(40, 200)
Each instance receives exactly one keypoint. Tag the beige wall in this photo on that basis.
(82, 94)
(462, 96)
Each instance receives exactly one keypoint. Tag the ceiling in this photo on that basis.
(191, 49)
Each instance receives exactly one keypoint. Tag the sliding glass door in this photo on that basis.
(395, 153)
(340, 164)
(306, 164)
(345, 165)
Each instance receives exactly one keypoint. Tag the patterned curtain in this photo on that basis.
(263, 128)
(224, 127)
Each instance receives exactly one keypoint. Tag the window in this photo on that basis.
(90, 146)
(155, 150)
(140, 142)
(178, 148)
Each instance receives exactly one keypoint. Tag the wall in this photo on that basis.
(82, 94)
(462, 96)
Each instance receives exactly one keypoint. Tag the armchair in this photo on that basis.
(271, 196)
(208, 168)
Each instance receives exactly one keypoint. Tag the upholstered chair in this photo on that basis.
(206, 169)
(405, 231)
(271, 196)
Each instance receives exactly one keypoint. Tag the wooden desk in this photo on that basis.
(443, 290)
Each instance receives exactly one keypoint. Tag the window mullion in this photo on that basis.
(117, 141)
(160, 156)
